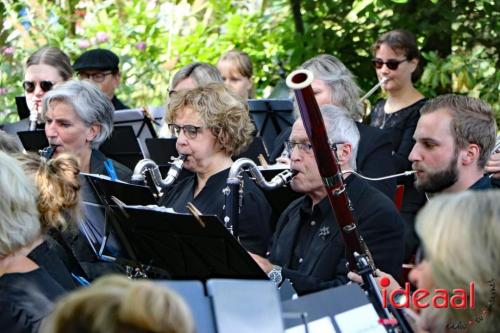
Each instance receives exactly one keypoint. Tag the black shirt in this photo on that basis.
(26, 299)
(400, 126)
(46, 256)
(254, 228)
(312, 255)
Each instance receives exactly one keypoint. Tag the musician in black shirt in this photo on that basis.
(307, 246)
(212, 124)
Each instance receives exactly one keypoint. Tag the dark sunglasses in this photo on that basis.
(392, 64)
(29, 86)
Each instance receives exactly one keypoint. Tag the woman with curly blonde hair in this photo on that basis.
(58, 204)
(212, 124)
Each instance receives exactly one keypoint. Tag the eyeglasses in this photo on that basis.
(96, 77)
(190, 131)
(29, 86)
(392, 64)
(304, 146)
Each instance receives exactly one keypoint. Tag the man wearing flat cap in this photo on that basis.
(101, 67)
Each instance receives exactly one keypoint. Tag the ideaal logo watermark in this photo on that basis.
(439, 299)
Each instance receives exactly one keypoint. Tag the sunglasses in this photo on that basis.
(29, 86)
(392, 64)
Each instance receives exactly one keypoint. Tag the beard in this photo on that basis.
(440, 180)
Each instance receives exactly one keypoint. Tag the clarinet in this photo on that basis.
(233, 192)
(358, 255)
(47, 152)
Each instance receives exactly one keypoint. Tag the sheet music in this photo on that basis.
(322, 325)
(362, 319)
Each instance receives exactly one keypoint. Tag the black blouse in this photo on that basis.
(26, 299)
(254, 230)
(400, 125)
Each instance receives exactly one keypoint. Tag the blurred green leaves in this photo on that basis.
(154, 38)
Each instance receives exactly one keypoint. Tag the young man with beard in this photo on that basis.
(454, 138)
(307, 245)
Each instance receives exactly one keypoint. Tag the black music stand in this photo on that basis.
(162, 149)
(123, 146)
(256, 148)
(184, 247)
(33, 140)
(142, 125)
(271, 116)
(104, 189)
(22, 107)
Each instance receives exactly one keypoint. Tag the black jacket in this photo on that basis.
(323, 264)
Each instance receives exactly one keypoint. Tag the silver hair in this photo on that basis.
(341, 128)
(343, 86)
(201, 73)
(89, 103)
(19, 217)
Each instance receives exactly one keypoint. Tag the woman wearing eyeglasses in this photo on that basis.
(78, 119)
(396, 59)
(212, 124)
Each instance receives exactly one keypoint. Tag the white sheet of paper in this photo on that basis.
(322, 325)
(361, 319)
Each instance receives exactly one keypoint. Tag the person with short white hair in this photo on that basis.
(27, 292)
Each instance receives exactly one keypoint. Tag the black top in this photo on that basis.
(47, 255)
(374, 158)
(484, 183)
(254, 228)
(308, 245)
(400, 126)
(118, 104)
(26, 299)
(97, 159)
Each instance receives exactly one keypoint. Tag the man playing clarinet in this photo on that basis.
(307, 245)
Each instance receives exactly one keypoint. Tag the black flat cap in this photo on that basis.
(97, 59)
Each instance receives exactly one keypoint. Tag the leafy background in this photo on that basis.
(459, 40)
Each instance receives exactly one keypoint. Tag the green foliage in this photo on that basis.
(155, 38)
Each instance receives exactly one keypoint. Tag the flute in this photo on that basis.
(372, 90)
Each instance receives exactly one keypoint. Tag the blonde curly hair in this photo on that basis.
(221, 110)
(58, 187)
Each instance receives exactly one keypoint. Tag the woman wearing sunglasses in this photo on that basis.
(212, 124)
(396, 59)
(45, 69)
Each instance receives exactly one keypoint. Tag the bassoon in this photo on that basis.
(358, 255)
(328, 165)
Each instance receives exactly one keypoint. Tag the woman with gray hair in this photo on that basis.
(27, 292)
(334, 84)
(78, 119)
